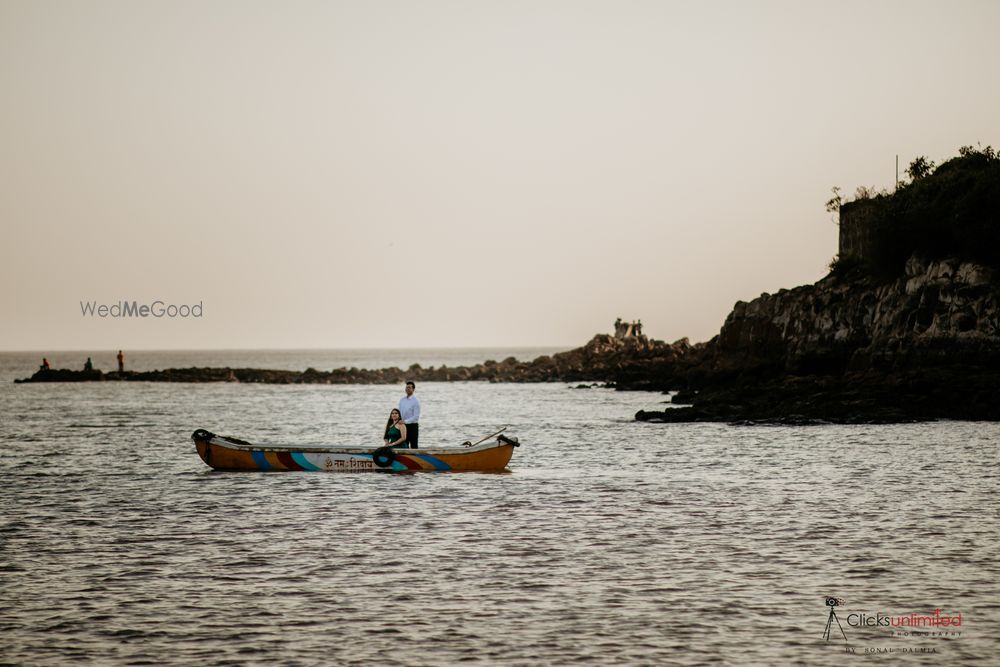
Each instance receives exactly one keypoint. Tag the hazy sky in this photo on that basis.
(411, 174)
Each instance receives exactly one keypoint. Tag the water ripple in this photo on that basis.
(610, 542)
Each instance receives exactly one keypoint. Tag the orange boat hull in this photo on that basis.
(224, 453)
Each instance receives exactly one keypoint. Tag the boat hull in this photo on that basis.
(224, 453)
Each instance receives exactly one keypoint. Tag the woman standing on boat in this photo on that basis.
(395, 430)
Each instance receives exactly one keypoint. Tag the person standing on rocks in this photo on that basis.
(409, 408)
(121, 362)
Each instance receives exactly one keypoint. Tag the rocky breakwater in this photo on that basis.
(633, 362)
(851, 348)
(629, 362)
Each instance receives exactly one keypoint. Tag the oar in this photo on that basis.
(473, 444)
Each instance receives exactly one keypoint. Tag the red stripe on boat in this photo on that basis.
(409, 463)
(286, 460)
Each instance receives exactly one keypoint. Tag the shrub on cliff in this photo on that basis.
(953, 210)
(847, 268)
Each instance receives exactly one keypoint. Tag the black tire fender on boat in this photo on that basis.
(383, 457)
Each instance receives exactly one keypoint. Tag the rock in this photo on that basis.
(684, 397)
(64, 375)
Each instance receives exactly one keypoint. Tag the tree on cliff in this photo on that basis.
(919, 168)
(833, 204)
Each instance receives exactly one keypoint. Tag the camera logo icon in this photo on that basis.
(832, 603)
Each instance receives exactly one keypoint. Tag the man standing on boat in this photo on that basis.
(409, 409)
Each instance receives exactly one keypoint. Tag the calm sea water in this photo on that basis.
(608, 542)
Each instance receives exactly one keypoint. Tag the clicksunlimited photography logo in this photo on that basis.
(887, 628)
(159, 309)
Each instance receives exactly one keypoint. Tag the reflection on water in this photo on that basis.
(611, 542)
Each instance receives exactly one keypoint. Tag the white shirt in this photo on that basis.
(409, 409)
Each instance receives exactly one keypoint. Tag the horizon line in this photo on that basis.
(292, 349)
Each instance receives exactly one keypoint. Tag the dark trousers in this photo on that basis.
(412, 434)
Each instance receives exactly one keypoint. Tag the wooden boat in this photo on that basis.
(226, 453)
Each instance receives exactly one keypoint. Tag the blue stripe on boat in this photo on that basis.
(436, 462)
(261, 460)
(299, 458)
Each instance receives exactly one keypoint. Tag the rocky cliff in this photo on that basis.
(852, 348)
(941, 311)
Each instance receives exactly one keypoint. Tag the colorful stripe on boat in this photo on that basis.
(285, 459)
(407, 462)
(300, 458)
(437, 463)
(260, 458)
